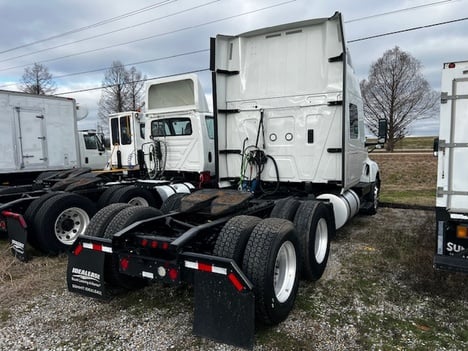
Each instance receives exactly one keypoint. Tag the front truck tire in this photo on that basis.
(372, 198)
(119, 221)
(271, 262)
(60, 220)
(315, 226)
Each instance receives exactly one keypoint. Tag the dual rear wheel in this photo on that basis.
(56, 219)
(275, 252)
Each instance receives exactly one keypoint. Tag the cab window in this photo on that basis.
(171, 127)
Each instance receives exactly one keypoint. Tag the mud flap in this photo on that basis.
(222, 312)
(17, 234)
(85, 271)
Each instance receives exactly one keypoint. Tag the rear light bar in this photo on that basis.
(154, 244)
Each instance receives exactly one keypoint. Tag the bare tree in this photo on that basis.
(397, 91)
(121, 91)
(37, 80)
(135, 89)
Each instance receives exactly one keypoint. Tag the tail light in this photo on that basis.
(462, 232)
(205, 178)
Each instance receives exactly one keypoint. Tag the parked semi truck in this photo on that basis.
(291, 166)
(175, 133)
(175, 157)
(181, 130)
(40, 134)
(127, 135)
(452, 186)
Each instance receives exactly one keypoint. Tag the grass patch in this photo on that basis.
(407, 178)
(413, 143)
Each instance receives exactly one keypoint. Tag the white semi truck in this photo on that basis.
(291, 167)
(181, 130)
(40, 134)
(175, 133)
(452, 185)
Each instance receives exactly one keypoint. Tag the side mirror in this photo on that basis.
(382, 133)
(435, 148)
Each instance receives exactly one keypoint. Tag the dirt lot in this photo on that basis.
(379, 292)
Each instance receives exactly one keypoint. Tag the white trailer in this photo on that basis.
(40, 134)
(452, 170)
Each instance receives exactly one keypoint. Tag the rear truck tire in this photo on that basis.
(102, 218)
(135, 196)
(233, 237)
(30, 214)
(285, 208)
(60, 220)
(122, 219)
(172, 203)
(315, 227)
(103, 200)
(271, 262)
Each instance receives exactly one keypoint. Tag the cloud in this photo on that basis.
(97, 35)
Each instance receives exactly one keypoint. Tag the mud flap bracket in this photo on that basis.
(17, 234)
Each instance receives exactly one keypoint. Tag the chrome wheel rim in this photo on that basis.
(285, 271)
(321, 240)
(70, 224)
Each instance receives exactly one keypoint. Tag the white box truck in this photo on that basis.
(452, 170)
(292, 167)
(40, 134)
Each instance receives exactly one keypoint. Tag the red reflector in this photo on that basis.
(97, 247)
(78, 250)
(165, 246)
(204, 267)
(173, 274)
(154, 244)
(144, 242)
(2, 225)
(124, 264)
(237, 284)
(451, 65)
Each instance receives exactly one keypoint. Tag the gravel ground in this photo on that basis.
(379, 306)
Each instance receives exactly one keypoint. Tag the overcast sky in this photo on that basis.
(78, 39)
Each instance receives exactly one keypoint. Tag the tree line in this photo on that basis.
(395, 90)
